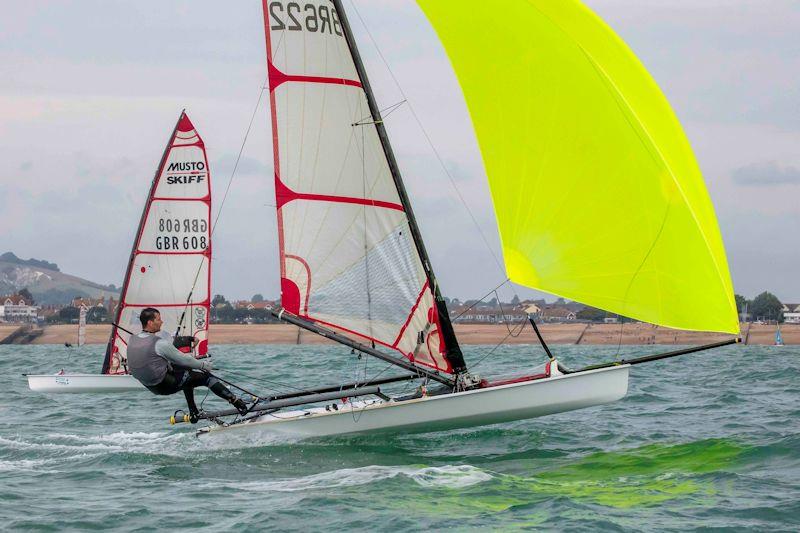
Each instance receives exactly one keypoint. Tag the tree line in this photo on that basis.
(765, 306)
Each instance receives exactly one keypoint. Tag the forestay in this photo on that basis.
(170, 266)
(348, 258)
(596, 190)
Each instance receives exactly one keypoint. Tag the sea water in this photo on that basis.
(704, 441)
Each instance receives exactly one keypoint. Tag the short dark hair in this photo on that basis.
(148, 314)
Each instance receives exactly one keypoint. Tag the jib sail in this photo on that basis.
(350, 254)
(170, 266)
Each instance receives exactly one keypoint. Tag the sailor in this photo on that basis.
(163, 369)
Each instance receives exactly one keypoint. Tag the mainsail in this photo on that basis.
(170, 265)
(597, 193)
(350, 252)
(82, 326)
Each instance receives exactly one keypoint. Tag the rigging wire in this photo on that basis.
(365, 120)
(428, 138)
(264, 86)
(511, 333)
(274, 385)
(480, 300)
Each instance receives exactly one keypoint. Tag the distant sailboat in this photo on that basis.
(169, 267)
(778, 336)
(596, 191)
(82, 326)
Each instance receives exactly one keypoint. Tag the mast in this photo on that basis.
(454, 354)
(142, 221)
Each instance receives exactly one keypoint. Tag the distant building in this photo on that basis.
(244, 304)
(14, 308)
(463, 314)
(791, 313)
(88, 303)
(557, 313)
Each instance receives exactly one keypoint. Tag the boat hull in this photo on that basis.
(83, 383)
(471, 408)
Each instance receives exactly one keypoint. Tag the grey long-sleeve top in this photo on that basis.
(165, 349)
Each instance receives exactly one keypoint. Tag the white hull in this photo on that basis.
(76, 383)
(471, 408)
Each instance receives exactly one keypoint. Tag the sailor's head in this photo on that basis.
(151, 320)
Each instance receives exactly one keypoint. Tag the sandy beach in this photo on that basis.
(635, 333)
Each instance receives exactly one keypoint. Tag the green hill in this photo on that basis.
(46, 282)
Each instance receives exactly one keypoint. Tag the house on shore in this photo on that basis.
(88, 303)
(791, 313)
(14, 308)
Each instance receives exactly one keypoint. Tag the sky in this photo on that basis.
(90, 91)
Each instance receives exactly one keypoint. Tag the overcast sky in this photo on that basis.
(90, 90)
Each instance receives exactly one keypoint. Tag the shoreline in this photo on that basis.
(468, 334)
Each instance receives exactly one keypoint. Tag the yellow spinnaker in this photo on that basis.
(596, 190)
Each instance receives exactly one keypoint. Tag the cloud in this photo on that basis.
(766, 175)
(247, 166)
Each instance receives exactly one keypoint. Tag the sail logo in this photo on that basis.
(186, 172)
(199, 318)
(311, 18)
(186, 166)
(185, 179)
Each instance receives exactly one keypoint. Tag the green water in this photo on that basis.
(700, 443)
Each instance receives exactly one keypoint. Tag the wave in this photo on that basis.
(120, 441)
(27, 465)
(450, 476)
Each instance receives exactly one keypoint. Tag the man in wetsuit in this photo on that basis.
(163, 369)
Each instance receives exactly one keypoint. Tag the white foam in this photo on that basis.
(26, 465)
(156, 443)
(452, 476)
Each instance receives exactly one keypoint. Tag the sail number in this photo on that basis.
(309, 17)
(182, 225)
(179, 244)
(186, 225)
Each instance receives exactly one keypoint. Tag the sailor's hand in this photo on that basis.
(195, 341)
(206, 366)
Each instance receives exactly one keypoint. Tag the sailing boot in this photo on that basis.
(194, 412)
(224, 392)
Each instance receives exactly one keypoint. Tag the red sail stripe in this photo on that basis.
(278, 78)
(284, 195)
(308, 277)
(275, 144)
(411, 314)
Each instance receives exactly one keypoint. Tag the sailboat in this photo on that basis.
(778, 336)
(82, 327)
(596, 191)
(169, 266)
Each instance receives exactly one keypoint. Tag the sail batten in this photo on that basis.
(597, 194)
(170, 264)
(350, 255)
